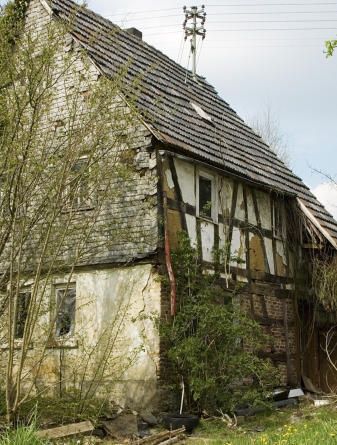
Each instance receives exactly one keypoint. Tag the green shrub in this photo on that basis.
(212, 345)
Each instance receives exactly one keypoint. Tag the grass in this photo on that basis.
(302, 426)
(22, 436)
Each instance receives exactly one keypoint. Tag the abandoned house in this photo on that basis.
(193, 149)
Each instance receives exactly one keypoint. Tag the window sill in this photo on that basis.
(78, 209)
(17, 345)
(67, 343)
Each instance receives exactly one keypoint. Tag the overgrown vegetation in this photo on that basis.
(212, 345)
(330, 47)
(24, 435)
(65, 141)
(324, 278)
(300, 426)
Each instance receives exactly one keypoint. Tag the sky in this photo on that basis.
(259, 54)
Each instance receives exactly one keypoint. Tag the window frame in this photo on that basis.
(24, 291)
(214, 196)
(80, 205)
(65, 287)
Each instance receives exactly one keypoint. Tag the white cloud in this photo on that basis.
(326, 193)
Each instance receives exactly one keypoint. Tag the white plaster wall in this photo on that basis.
(207, 240)
(191, 223)
(225, 195)
(186, 177)
(127, 296)
(114, 309)
(264, 206)
(251, 210)
(223, 235)
(270, 257)
(238, 249)
(240, 208)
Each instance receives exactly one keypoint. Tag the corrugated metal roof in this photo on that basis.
(164, 96)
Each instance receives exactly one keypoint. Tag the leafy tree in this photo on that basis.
(212, 345)
(330, 47)
(62, 169)
(267, 126)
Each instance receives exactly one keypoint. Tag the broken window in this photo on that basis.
(79, 190)
(207, 206)
(65, 322)
(205, 197)
(21, 313)
(278, 219)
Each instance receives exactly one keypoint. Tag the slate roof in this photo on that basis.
(165, 101)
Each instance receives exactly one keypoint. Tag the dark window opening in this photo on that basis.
(66, 311)
(21, 314)
(278, 222)
(205, 197)
(79, 191)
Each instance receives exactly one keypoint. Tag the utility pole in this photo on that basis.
(195, 30)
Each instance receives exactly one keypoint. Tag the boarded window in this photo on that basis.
(65, 322)
(205, 197)
(21, 314)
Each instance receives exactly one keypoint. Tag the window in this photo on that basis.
(65, 322)
(206, 192)
(79, 190)
(277, 219)
(21, 314)
(205, 197)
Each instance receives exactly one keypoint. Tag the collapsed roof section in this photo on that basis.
(164, 97)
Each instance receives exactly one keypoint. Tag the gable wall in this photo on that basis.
(133, 212)
(107, 294)
(260, 259)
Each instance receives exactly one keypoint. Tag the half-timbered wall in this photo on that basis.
(253, 222)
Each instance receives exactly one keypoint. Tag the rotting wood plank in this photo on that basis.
(159, 437)
(66, 430)
(178, 193)
(174, 440)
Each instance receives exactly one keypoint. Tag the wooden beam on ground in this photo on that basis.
(160, 437)
(66, 430)
(175, 439)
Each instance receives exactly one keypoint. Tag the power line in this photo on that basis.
(147, 18)
(271, 4)
(254, 29)
(240, 5)
(274, 12)
(143, 11)
(266, 46)
(245, 21)
(228, 13)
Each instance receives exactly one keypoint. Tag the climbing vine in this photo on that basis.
(212, 346)
(324, 278)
